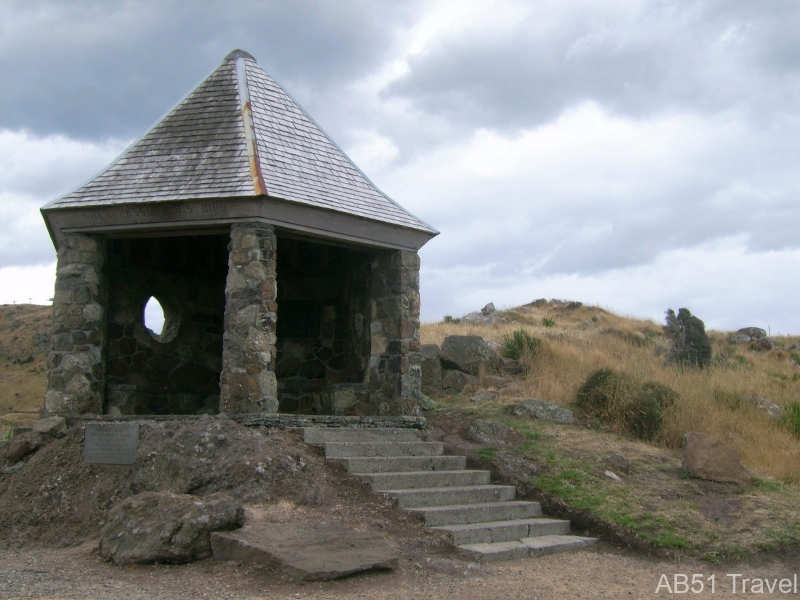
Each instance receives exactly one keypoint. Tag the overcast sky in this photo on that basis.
(638, 155)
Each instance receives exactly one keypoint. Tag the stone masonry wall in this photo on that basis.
(76, 362)
(395, 359)
(248, 383)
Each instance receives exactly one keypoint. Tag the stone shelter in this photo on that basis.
(289, 283)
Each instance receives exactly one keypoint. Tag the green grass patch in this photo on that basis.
(575, 487)
(488, 452)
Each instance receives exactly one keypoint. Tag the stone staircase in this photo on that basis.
(479, 517)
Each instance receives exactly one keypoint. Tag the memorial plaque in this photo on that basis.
(111, 443)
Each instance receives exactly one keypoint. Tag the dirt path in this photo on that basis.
(601, 572)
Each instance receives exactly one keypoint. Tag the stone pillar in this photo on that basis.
(395, 360)
(76, 362)
(247, 382)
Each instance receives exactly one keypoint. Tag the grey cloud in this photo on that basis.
(673, 57)
(96, 69)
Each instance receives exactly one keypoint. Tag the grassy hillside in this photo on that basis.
(580, 339)
(24, 341)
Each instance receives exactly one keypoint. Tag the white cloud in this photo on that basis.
(20, 285)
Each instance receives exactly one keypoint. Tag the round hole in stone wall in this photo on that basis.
(154, 316)
(161, 319)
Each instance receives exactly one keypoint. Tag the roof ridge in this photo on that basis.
(259, 187)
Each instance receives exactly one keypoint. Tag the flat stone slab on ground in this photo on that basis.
(315, 552)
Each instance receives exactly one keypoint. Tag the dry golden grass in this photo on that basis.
(574, 348)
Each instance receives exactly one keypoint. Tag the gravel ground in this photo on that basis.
(599, 572)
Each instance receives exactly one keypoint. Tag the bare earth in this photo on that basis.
(602, 572)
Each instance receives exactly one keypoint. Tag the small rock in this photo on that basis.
(22, 445)
(425, 403)
(488, 309)
(546, 411)
(619, 462)
(484, 397)
(497, 381)
(773, 410)
(612, 475)
(707, 458)
(51, 426)
(13, 468)
(488, 432)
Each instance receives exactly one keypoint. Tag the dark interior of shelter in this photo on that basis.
(175, 370)
(323, 325)
(323, 337)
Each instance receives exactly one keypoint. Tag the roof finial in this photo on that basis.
(239, 54)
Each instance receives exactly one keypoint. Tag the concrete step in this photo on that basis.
(504, 531)
(368, 449)
(436, 516)
(320, 435)
(535, 546)
(425, 479)
(396, 464)
(448, 496)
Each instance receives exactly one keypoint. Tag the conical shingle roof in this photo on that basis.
(240, 135)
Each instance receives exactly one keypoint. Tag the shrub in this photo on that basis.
(636, 408)
(689, 344)
(520, 343)
(448, 319)
(548, 322)
(573, 305)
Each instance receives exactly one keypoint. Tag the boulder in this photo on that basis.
(431, 369)
(540, 409)
(467, 352)
(773, 410)
(740, 338)
(488, 432)
(753, 332)
(22, 445)
(162, 527)
(454, 381)
(488, 309)
(306, 552)
(705, 457)
(764, 344)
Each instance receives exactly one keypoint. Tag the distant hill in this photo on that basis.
(24, 342)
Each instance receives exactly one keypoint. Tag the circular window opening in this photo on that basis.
(160, 320)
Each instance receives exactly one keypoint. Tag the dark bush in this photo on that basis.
(520, 343)
(632, 407)
(689, 344)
